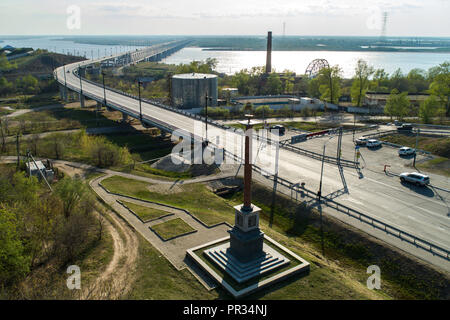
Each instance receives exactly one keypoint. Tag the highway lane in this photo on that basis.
(376, 194)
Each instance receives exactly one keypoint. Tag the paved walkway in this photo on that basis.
(173, 250)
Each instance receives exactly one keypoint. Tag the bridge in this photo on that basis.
(409, 212)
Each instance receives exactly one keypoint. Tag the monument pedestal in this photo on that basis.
(246, 256)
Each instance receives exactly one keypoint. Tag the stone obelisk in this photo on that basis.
(246, 239)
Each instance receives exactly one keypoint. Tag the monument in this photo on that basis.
(247, 254)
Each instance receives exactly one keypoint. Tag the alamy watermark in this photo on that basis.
(73, 21)
(374, 281)
(226, 147)
(74, 280)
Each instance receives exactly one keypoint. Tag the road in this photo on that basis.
(424, 213)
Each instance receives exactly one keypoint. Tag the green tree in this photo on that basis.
(6, 87)
(440, 86)
(329, 84)
(273, 85)
(71, 191)
(417, 81)
(428, 109)
(28, 84)
(14, 263)
(313, 88)
(360, 83)
(380, 81)
(397, 104)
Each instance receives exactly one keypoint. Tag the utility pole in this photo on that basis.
(319, 195)
(18, 151)
(81, 85)
(417, 143)
(140, 103)
(104, 90)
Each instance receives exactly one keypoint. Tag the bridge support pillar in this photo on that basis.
(81, 101)
(61, 92)
(99, 105)
(124, 117)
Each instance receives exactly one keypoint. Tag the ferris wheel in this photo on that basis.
(315, 66)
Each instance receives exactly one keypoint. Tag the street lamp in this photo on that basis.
(140, 103)
(79, 75)
(104, 90)
(206, 113)
(319, 195)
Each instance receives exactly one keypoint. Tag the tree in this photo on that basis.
(440, 86)
(329, 80)
(28, 84)
(398, 81)
(6, 87)
(71, 191)
(380, 81)
(360, 83)
(263, 111)
(313, 88)
(417, 81)
(428, 109)
(14, 263)
(273, 85)
(397, 104)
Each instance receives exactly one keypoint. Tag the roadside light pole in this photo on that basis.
(319, 195)
(104, 90)
(206, 114)
(140, 103)
(415, 150)
(79, 76)
(65, 81)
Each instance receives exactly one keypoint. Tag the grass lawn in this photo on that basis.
(172, 228)
(435, 144)
(157, 279)
(145, 213)
(195, 198)
(437, 165)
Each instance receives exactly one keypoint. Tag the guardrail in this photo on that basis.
(318, 156)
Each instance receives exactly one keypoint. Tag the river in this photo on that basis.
(230, 62)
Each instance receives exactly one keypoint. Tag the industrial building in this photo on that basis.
(33, 169)
(189, 90)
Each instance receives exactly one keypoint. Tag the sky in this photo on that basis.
(225, 17)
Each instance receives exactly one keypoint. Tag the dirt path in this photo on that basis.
(117, 278)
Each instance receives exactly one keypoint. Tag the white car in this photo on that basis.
(361, 141)
(406, 151)
(415, 178)
(372, 143)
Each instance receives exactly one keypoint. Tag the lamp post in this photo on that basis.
(319, 195)
(140, 103)
(79, 76)
(206, 114)
(415, 150)
(104, 90)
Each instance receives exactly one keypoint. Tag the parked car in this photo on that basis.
(415, 178)
(372, 143)
(406, 151)
(361, 141)
(280, 128)
(405, 127)
(397, 123)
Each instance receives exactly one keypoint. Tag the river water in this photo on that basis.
(230, 62)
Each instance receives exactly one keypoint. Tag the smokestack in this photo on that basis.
(269, 53)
